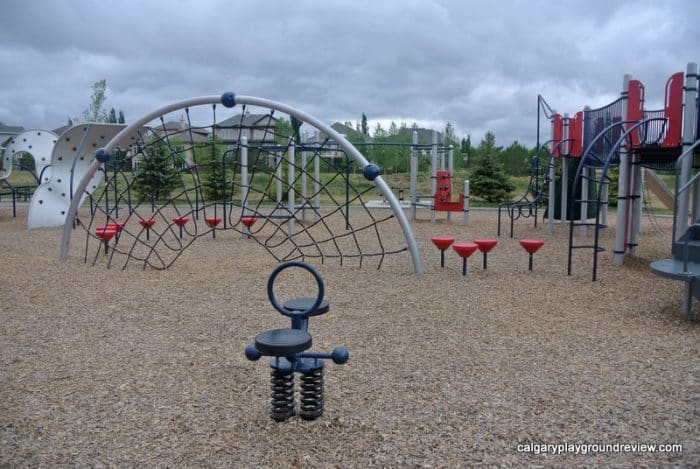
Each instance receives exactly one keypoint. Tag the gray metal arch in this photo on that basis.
(254, 101)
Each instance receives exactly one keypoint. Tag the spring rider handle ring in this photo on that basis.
(280, 308)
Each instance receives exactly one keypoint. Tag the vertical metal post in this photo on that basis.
(414, 174)
(317, 185)
(223, 190)
(564, 202)
(636, 222)
(347, 192)
(304, 182)
(466, 202)
(291, 194)
(691, 95)
(552, 194)
(433, 176)
(622, 188)
(278, 176)
(451, 169)
(245, 186)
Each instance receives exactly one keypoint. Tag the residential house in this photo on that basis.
(8, 131)
(258, 128)
(178, 133)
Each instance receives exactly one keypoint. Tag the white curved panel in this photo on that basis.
(72, 155)
(38, 143)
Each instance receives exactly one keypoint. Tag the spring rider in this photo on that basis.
(288, 349)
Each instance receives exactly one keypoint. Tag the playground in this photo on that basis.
(145, 287)
(104, 366)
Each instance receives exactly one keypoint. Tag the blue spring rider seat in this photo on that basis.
(289, 351)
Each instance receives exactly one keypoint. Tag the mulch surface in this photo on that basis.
(140, 367)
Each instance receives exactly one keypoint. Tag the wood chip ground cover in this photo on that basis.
(110, 367)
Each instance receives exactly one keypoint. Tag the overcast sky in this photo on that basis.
(477, 64)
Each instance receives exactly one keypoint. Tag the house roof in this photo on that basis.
(346, 130)
(246, 120)
(181, 132)
(425, 136)
(11, 129)
(60, 130)
(174, 126)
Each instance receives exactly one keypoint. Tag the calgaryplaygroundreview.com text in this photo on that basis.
(593, 448)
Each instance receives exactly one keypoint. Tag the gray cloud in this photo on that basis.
(477, 65)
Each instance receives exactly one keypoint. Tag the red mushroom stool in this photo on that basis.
(212, 222)
(118, 227)
(485, 246)
(442, 243)
(147, 224)
(180, 221)
(105, 233)
(248, 222)
(531, 246)
(464, 250)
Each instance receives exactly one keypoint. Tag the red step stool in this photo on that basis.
(485, 246)
(442, 243)
(180, 221)
(147, 224)
(212, 222)
(248, 222)
(531, 246)
(464, 250)
(105, 233)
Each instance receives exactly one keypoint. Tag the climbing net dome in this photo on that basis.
(234, 167)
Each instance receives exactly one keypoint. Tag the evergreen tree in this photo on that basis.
(121, 119)
(450, 137)
(296, 126)
(466, 150)
(155, 176)
(516, 160)
(365, 127)
(488, 179)
(209, 163)
(112, 118)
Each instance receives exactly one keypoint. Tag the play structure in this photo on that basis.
(228, 164)
(440, 198)
(60, 161)
(71, 156)
(542, 173)
(288, 349)
(638, 142)
(625, 135)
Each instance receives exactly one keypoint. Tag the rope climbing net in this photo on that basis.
(251, 172)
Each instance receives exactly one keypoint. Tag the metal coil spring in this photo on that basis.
(311, 391)
(282, 385)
